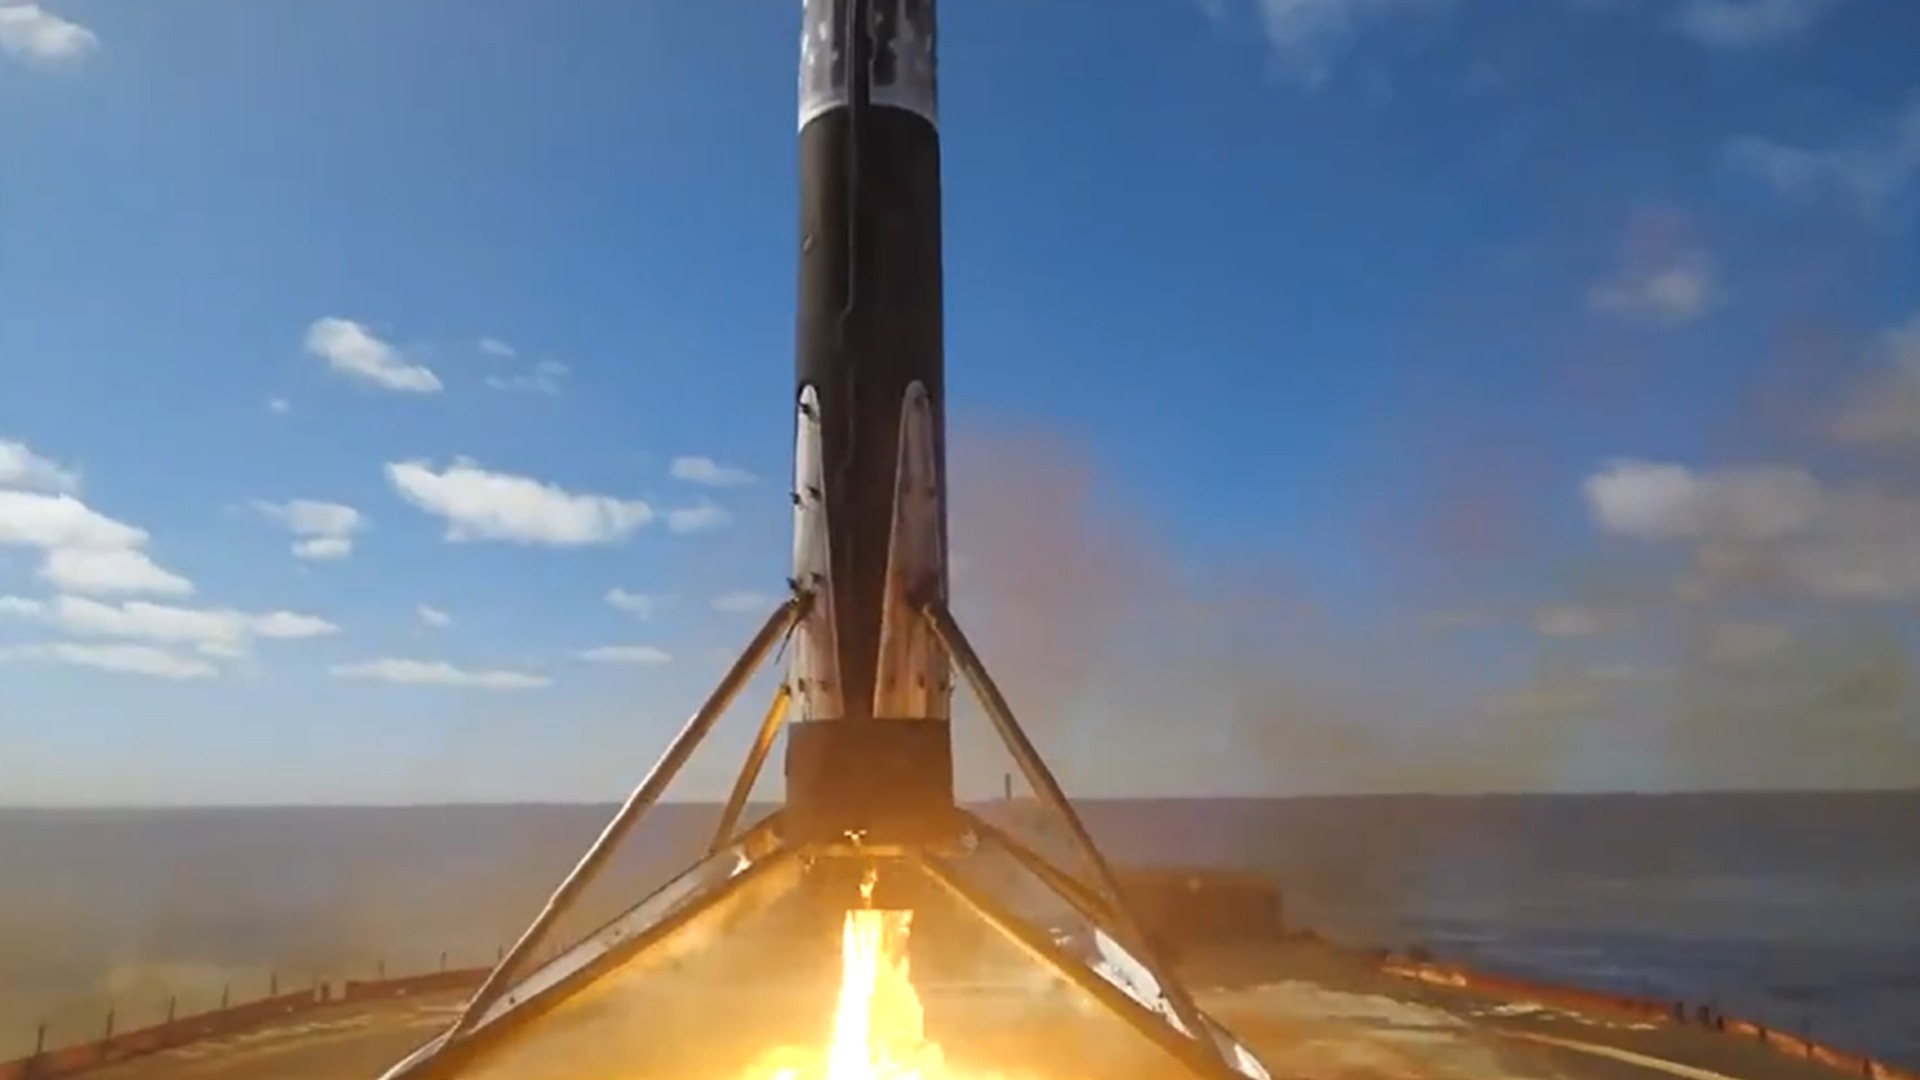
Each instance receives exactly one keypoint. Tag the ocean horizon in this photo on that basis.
(991, 798)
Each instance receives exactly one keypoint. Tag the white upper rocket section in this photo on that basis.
(902, 60)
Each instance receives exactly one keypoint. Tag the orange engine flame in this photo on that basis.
(878, 1029)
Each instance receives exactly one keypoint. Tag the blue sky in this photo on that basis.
(1550, 370)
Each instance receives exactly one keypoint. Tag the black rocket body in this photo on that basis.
(868, 750)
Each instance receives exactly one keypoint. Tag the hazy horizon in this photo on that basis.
(1019, 796)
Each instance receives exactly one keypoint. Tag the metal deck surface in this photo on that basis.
(1308, 1010)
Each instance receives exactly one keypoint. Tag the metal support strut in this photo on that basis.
(637, 804)
(1041, 778)
(750, 769)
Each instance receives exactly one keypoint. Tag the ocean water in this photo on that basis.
(1800, 911)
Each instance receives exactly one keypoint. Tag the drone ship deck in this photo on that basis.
(1307, 1008)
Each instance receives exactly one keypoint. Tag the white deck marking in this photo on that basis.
(1661, 1064)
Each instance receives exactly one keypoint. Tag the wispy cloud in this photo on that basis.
(481, 505)
(496, 348)
(438, 673)
(1780, 527)
(705, 470)
(543, 379)
(1310, 38)
(322, 530)
(1874, 173)
(35, 33)
(356, 352)
(639, 605)
(1678, 292)
(279, 406)
(212, 631)
(1749, 24)
(126, 659)
(1883, 409)
(1662, 275)
(433, 617)
(633, 655)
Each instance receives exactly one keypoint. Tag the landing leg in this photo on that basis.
(1110, 959)
(682, 915)
(1200, 1055)
(961, 652)
(630, 812)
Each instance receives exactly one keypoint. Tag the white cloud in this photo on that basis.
(1651, 501)
(310, 518)
(543, 379)
(322, 548)
(86, 551)
(1674, 290)
(1662, 275)
(433, 617)
(705, 470)
(90, 553)
(279, 405)
(354, 351)
(1567, 621)
(481, 505)
(1309, 38)
(695, 519)
(1774, 526)
(325, 530)
(288, 625)
(35, 519)
(496, 348)
(638, 605)
(438, 673)
(742, 600)
(1871, 172)
(1747, 24)
(224, 650)
(1885, 408)
(127, 659)
(107, 571)
(20, 467)
(645, 655)
(215, 631)
(1736, 642)
(32, 31)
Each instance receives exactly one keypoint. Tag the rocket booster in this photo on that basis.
(868, 748)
